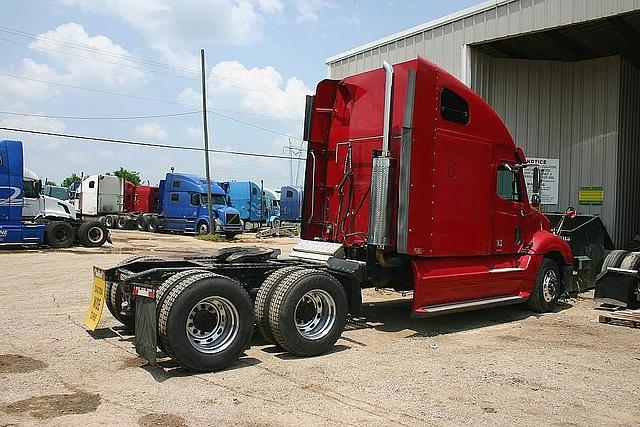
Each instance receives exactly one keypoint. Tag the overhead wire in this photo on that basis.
(141, 143)
(51, 116)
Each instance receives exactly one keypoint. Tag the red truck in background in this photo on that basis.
(138, 201)
(412, 182)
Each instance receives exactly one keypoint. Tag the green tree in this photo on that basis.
(131, 176)
(70, 180)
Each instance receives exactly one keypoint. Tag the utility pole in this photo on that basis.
(206, 142)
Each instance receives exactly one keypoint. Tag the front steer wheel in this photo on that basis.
(307, 312)
(59, 234)
(205, 322)
(547, 287)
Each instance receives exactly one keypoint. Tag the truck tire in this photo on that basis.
(59, 234)
(263, 298)
(110, 221)
(163, 291)
(614, 259)
(92, 234)
(113, 294)
(308, 312)
(547, 287)
(205, 322)
(631, 261)
(121, 223)
(141, 223)
(202, 228)
(152, 224)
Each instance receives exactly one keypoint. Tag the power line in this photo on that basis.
(142, 144)
(143, 98)
(48, 116)
(89, 49)
(254, 125)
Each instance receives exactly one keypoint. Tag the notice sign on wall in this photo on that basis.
(549, 169)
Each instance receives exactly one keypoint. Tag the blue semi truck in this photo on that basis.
(182, 207)
(255, 204)
(29, 217)
(291, 203)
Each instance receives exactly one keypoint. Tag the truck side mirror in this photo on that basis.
(39, 186)
(537, 180)
(535, 200)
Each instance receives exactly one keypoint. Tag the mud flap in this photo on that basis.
(146, 338)
(567, 279)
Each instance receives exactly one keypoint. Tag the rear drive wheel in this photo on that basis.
(113, 294)
(110, 221)
(121, 223)
(59, 234)
(614, 259)
(307, 312)
(206, 322)
(547, 287)
(263, 298)
(141, 223)
(152, 224)
(92, 234)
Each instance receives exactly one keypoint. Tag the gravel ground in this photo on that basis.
(497, 366)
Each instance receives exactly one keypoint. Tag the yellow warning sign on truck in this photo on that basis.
(97, 300)
(591, 195)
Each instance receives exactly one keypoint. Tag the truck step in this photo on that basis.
(434, 310)
(316, 251)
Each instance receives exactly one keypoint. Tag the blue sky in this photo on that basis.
(263, 56)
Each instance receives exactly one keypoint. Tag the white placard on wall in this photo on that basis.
(549, 169)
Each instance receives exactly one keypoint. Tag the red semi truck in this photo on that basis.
(412, 182)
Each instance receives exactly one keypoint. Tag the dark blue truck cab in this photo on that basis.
(13, 230)
(182, 206)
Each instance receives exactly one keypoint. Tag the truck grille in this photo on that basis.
(232, 219)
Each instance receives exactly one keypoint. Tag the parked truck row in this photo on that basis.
(412, 182)
(179, 204)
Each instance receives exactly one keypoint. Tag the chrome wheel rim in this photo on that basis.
(204, 229)
(212, 325)
(315, 314)
(95, 234)
(549, 286)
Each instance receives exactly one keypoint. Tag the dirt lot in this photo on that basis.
(497, 366)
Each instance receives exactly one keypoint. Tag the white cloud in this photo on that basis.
(256, 90)
(195, 132)
(174, 27)
(309, 10)
(103, 67)
(270, 6)
(151, 130)
(39, 142)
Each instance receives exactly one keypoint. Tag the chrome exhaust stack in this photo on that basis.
(381, 177)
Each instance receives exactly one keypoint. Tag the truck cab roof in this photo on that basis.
(190, 183)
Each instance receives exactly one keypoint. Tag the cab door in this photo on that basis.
(511, 230)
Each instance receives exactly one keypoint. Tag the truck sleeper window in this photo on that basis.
(453, 107)
(507, 184)
(175, 197)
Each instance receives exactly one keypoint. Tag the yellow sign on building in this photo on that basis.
(591, 195)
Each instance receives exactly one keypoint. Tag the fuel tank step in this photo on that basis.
(316, 251)
(435, 310)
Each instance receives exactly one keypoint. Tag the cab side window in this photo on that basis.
(453, 107)
(195, 199)
(507, 184)
(30, 190)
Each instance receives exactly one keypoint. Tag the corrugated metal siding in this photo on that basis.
(628, 169)
(564, 110)
(443, 43)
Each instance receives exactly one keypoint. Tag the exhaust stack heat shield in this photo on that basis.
(381, 202)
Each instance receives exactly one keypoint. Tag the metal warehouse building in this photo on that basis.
(564, 75)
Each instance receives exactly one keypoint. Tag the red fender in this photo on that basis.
(545, 242)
